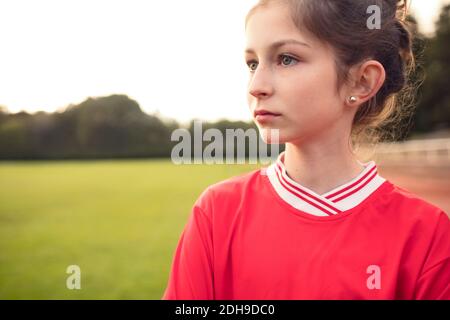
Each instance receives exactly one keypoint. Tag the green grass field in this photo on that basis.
(119, 221)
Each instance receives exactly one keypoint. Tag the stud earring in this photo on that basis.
(352, 99)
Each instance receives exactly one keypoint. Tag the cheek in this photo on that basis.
(313, 90)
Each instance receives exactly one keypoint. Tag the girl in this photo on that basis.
(317, 223)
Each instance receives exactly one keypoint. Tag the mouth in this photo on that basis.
(264, 115)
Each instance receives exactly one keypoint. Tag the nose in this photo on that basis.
(260, 85)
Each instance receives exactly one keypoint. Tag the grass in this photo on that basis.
(120, 221)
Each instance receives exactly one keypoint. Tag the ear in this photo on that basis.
(367, 80)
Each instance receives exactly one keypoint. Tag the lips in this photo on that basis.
(262, 112)
(264, 116)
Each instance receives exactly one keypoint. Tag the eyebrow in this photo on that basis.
(280, 43)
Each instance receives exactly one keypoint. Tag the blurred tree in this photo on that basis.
(434, 96)
(3, 113)
(15, 136)
(104, 127)
(115, 126)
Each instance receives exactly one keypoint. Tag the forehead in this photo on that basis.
(272, 23)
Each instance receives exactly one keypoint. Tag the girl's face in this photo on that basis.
(292, 87)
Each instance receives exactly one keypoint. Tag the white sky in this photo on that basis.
(181, 58)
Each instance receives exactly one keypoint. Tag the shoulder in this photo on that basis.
(411, 209)
(230, 190)
(427, 234)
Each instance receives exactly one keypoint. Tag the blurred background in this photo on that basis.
(90, 93)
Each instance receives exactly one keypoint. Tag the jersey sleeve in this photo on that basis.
(191, 274)
(434, 281)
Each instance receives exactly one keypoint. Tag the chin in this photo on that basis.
(273, 135)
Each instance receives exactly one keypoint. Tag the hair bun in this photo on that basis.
(399, 7)
(405, 42)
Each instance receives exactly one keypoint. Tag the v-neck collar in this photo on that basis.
(338, 200)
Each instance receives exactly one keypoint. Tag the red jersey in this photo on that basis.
(262, 235)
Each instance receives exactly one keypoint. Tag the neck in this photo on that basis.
(321, 168)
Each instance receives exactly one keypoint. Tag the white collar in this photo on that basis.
(341, 198)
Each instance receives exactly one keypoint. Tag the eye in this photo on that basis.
(251, 62)
(286, 58)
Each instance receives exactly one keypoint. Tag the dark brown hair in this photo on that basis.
(343, 25)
